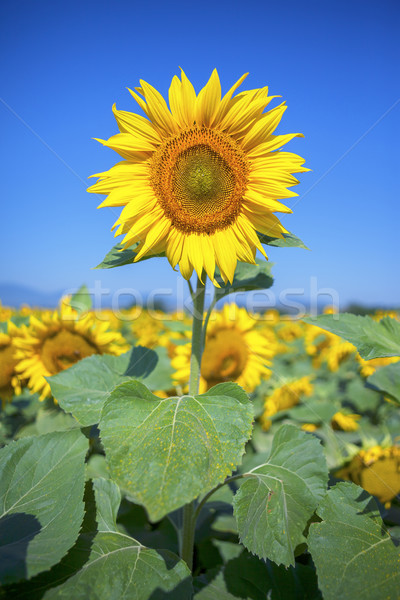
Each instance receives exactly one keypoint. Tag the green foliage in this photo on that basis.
(81, 301)
(353, 553)
(274, 504)
(119, 566)
(152, 456)
(107, 500)
(247, 277)
(249, 577)
(118, 257)
(387, 379)
(289, 240)
(104, 563)
(41, 501)
(83, 388)
(166, 452)
(373, 339)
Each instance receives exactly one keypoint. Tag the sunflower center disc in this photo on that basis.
(65, 348)
(224, 358)
(199, 177)
(202, 180)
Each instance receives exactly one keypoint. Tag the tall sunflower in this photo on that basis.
(201, 177)
(58, 340)
(234, 351)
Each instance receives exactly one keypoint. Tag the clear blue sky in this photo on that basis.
(335, 63)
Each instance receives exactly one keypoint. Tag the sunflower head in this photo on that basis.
(201, 176)
(9, 381)
(377, 470)
(345, 422)
(58, 340)
(284, 397)
(234, 351)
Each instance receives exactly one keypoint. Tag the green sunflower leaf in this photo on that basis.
(247, 277)
(276, 500)
(166, 452)
(373, 339)
(352, 551)
(246, 576)
(83, 388)
(289, 240)
(107, 498)
(120, 567)
(118, 257)
(41, 502)
(81, 301)
(210, 586)
(106, 564)
(387, 380)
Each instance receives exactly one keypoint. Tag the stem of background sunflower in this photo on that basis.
(189, 520)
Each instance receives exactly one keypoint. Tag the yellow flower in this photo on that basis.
(368, 367)
(343, 422)
(5, 312)
(377, 470)
(9, 381)
(310, 427)
(379, 314)
(290, 331)
(325, 346)
(234, 351)
(151, 329)
(201, 177)
(285, 397)
(57, 341)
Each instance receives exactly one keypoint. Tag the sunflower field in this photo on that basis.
(213, 453)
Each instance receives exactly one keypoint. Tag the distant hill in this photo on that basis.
(14, 294)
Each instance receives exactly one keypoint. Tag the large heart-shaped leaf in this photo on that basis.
(353, 553)
(83, 388)
(373, 339)
(166, 452)
(273, 505)
(41, 506)
(120, 567)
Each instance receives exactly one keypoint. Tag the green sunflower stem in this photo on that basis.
(189, 519)
(197, 337)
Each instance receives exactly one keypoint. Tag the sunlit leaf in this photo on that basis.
(83, 388)
(118, 257)
(289, 240)
(247, 277)
(41, 501)
(387, 379)
(373, 339)
(165, 452)
(353, 553)
(276, 500)
(119, 567)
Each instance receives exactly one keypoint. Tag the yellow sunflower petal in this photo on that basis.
(208, 100)
(200, 180)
